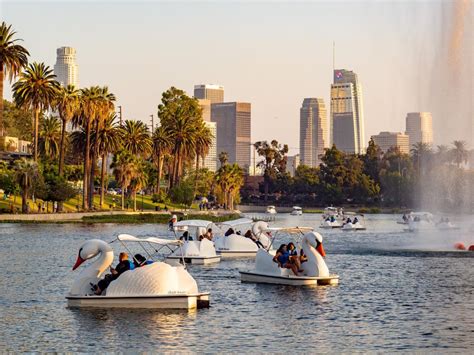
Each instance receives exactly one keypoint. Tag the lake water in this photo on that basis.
(398, 291)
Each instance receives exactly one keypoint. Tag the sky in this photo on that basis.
(271, 54)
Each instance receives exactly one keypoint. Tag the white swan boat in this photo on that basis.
(237, 245)
(155, 285)
(405, 219)
(271, 210)
(315, 270)
(350, 225)
(297, 211)
(194, 251)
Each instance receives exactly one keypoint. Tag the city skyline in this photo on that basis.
(255, 74)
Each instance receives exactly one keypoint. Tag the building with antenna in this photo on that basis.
(347, 117)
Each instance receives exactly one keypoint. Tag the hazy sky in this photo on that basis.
(272, 54)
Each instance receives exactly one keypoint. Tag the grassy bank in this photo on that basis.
(154, 218)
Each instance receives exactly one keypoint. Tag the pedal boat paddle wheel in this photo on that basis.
(154, 285)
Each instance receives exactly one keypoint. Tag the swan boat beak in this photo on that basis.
(79, 261)
(320, 249)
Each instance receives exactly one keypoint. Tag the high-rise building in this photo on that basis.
(206, 109)
(347, 117)
(419, 127)
(210, 161)
(65, 68)
(233, 131)
(314, 132)
(292, 163)
(214, 93)
(387, 140)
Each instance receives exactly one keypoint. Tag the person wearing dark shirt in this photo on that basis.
(123, 265)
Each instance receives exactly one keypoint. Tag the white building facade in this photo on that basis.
(65, 69)
(387, 140)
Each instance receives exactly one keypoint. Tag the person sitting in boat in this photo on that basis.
(405, 218)
(328, 219)
(348, 220)
(186, 236)
(209, 234)
(140, 260)
(172, 221)
(333, 219)
(303, 257)
(250, 235)
(124, 265)
(230, 231)
(355, 220)
(294, 258)
(282, 258)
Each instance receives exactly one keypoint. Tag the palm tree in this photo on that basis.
(136, 138)
(13, 59)
(50, 137)
(26, 171)
(139, 180)
(459, 153)
(88, 110)
(229, 179)
(421, 154)
(67, 104)
(223, 158)
(161, 148)
(203, 144)
(36, 89)
(125, 169)
(110, 141)
(105, 106)
(442, 152)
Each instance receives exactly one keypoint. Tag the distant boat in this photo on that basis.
(271, 210)
(297, 211)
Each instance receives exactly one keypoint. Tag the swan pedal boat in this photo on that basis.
(156, 285)
(194, 251)
(271, 210)
(351, 226)
(315, 270)
(236, 245)
(297, 211)
(330, 225)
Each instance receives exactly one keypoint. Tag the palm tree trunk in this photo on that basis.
(158, 173)
(2, 128)
(62, 148)
(102, 179)
(196, 176)
(24, 199)
(36, 125)
(93, 164)
(123, 198)
(134, 200)
(87, 149)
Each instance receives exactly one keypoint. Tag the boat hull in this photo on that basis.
(253, 277)
(236, 253)
(197, 260)
(192, 301)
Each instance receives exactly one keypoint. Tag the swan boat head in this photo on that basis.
(312, 245)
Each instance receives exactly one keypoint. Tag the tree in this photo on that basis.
(26, 171)
(421, 155)
(67, 104)
(110, 141)
(183, 193)
(13, 59)
(161, 148)
(138, 181)
(136, 138)
(17, 121)
(35, 89)
(223, 158)
(371, 161)
(306, 180)
(202, 146)
(50, 137)
(274, 160)
(181, 117)
(459, 153)
(229, 180)
(125, 169)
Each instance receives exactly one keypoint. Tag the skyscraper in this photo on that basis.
(214, 93)
(206, 109)
(210, 161)
(233, 130)
(347, 118)
(419, 127)
(314, 132)
(387, 140)
(65, 68)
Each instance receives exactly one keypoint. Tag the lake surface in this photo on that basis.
(398, 291)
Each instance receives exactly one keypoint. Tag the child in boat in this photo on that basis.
(209, 234)
(294, 258)
(123, 265)
(230, 231)
(282, 258)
